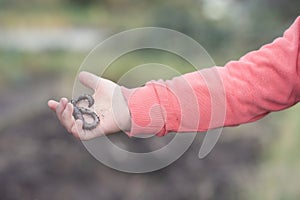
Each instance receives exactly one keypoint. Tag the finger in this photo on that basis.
(74, 131)
(89, 80)
(67, 117)
(52, 104)
(60, 107)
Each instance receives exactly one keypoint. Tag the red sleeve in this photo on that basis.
(242, 91)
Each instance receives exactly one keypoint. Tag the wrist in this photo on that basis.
(121, 111)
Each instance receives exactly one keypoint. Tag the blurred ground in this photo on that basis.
(39, 61)
(46, 163)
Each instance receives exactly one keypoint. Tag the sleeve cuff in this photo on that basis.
(152, 109)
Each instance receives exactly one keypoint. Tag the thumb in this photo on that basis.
(89, 80)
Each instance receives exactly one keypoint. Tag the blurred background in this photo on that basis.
(42, 45)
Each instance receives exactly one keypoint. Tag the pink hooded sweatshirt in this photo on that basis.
(242, 91)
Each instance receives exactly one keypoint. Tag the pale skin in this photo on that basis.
(108, 99)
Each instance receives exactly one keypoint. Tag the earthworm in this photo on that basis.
(79, 111)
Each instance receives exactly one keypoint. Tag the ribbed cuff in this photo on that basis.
(153, 109)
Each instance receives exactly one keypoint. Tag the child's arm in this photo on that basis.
(260, 82)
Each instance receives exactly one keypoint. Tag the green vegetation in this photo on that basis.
(278, 173)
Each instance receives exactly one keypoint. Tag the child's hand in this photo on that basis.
(109, 105)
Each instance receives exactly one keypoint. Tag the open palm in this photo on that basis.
(109, 105)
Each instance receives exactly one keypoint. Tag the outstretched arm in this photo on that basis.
(260, 82)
